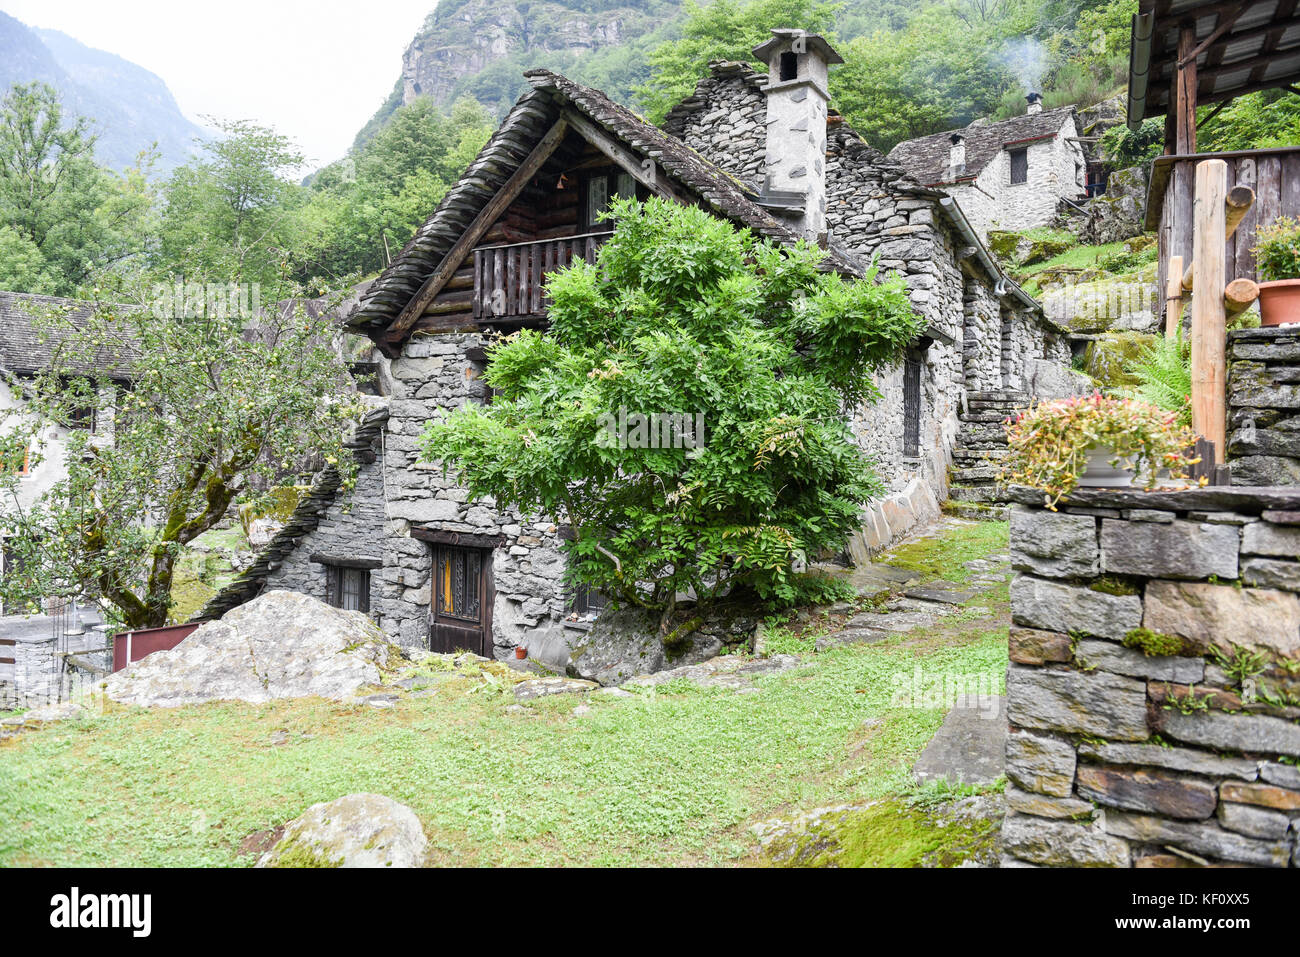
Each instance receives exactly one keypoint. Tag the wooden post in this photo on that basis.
(1174, 296)
(1209, 329)
(1239, 295)
(1184, 99)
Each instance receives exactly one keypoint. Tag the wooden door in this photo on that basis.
(461, 605)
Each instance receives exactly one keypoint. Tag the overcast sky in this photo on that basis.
(314, 70)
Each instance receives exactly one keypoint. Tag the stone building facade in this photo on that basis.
(1009, 175)
(1153, 692)
(429, 315)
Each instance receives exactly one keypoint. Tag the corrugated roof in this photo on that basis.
(1254, 45)
(927, 157)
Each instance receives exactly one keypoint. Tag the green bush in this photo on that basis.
(1277, 250)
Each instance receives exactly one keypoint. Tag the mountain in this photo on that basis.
(129, 107)
(480, 48)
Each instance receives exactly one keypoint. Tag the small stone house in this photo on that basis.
(762, 150)
(27, 350)
(1009, 175)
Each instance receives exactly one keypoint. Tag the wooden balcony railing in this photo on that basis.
(508, 279)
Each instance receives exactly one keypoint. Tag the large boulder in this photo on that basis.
(1120, 212)
(356, 830)
(626, 642)
(279, 645)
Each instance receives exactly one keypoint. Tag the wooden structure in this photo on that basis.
(1187, 54)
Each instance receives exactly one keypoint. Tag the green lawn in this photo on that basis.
(674, 775)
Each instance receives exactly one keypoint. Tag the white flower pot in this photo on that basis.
(1099, 473)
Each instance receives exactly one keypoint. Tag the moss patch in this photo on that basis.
(1153, 644)
(945, 556)
(1108, 357)
(884, 834)
(1110, 585)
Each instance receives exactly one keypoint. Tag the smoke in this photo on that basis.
(1027, 59)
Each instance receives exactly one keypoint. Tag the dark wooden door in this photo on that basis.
(461, 606)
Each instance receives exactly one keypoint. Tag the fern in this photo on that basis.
(1163, 372)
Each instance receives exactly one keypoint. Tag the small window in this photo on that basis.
(789, 66)
(23, 468)
(912, 406)
(586, 603)
(347, 588)
(597, 198)
(1019, 166)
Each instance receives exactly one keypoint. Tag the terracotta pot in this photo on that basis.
(1279, 302)
(521, 652)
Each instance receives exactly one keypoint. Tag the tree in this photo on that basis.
(685, 411)
(230, 212)
(723, 30)
(64, 216)
(216, 397)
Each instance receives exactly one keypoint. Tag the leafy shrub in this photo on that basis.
(1049, 443)
(1277, 250)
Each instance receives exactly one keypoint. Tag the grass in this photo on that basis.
(674, 775)
(945, 556)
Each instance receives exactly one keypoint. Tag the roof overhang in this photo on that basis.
(1239, 48)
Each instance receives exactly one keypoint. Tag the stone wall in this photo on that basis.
(351, 530)
(1153, 693)
(436, 374)
(1264, 406)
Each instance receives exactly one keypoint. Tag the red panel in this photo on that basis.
(146, 641)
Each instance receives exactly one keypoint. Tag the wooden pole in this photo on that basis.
(1235, 207)
(1174, 296)
(1185, 92)
(1209, 319)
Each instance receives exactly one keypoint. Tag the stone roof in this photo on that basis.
(304, 520)
(927, 157)
(27, 343)
(526, 123)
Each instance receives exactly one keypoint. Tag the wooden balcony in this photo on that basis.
(509, 279)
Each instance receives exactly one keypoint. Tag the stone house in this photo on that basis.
(27, 350)
(762, 150)
(1012, 175)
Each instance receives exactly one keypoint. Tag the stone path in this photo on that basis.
(969, 747)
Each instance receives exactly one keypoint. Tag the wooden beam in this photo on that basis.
(1226, 19)
(1239, 295)
(1209, 319)
(644, 170)
(1235, 207)
(1184, 93)
(488, 215)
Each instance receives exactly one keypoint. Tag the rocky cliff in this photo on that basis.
(480, 48)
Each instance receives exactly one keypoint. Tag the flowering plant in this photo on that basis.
(1048, 443)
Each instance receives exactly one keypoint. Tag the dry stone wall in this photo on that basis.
(1153, 693)
(1264, 406)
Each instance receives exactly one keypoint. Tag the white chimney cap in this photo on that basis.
(785, 36)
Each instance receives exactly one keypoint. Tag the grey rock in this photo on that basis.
(1042, 805)
(1264, 538)
(1203, 838)
(1283, 775)
(1271, 573)
(279, 645)
(1040, 764)
(1108, 656)
(544, 687)
(1054, 544)
(1100, 704)
(1211, 616)
(1175, 759)
(1251, 733)
(1054, 606)
(1254, 821)
(1062, 843)
(356, 830)
(939, 595)
(1173, 550)
(969, 747)
(627, 642)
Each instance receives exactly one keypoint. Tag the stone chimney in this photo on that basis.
(798, 64)
(1035, 101)
(957, 155)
